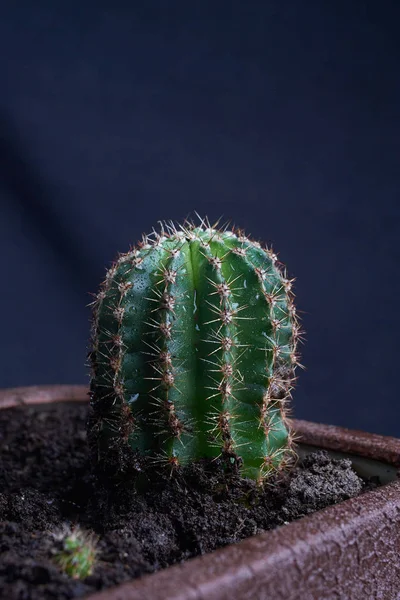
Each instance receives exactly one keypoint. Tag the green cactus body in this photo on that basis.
(78, 554)
(194, 351)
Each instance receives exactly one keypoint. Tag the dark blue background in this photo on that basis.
(283, 116)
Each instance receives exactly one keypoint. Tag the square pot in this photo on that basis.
(350, 550)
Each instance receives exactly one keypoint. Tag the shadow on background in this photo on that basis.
(30, 195)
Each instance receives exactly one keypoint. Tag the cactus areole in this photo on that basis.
(193, 353)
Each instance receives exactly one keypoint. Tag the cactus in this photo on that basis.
(77, 555)
(193, 354)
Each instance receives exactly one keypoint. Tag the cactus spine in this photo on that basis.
(194, 351)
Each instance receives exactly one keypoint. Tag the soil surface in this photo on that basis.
(46, 483)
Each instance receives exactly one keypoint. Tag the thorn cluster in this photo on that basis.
(77, 556)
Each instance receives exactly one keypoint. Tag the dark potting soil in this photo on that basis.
(46, 483)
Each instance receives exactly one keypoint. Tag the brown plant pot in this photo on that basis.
(350, 550)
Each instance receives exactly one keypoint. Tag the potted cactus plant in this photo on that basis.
(194, 350)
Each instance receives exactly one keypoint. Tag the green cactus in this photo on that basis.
(193, 352)
(78, 552)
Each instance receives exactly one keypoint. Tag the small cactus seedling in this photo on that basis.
(194, 351)
(77, 555)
